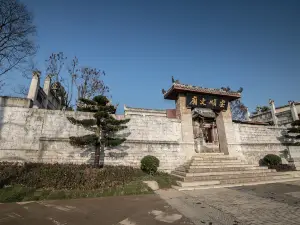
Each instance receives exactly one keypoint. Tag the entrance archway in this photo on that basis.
(205, 130)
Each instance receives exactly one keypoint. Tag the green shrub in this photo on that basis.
(149, 164)
(15, 194)
(271, 160)
(66, 176)
(56, 195)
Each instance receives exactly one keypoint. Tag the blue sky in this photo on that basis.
(141, 44)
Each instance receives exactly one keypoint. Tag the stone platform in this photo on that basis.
(216, 170)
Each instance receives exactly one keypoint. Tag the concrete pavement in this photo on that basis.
(266, 204)
(127, 210)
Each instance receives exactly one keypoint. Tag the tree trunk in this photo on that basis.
(102, 155)
(97, 156)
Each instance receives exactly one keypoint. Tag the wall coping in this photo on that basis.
(17, 102)
(258, 143)
(253, 125)
(152, 142)
(127, 141)
(259, 114)
(157, 111)
(47, 111)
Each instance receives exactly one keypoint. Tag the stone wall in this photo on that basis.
(262, 117)
(283, 115)
(28, 134)
(284, 118)
(7, 101)
(256, 141)
(38, 135)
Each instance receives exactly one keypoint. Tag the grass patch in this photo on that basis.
(19, 193)
(164, 180)
(34, 182)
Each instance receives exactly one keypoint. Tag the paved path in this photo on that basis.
(128, 210)
(269, 204)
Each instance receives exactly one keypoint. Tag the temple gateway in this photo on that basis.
(197, 141)
(206, 110)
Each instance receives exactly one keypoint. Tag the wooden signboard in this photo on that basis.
(207, 101)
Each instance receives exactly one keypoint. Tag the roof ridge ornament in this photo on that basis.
(175, 81)
(184, 88)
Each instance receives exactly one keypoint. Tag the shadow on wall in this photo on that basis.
(274, 161)
(9, 122)
(1, 120)
(13, 159)
(286, 153)
(117, 152)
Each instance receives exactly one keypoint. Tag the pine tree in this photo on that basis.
(290, 137)
(104, 126)
(294, 133)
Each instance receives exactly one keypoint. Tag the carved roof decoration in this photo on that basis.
(182, 88)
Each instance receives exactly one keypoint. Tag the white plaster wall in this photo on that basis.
(39, 135)
(153, 127)
(255, 141)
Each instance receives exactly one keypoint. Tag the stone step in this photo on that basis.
(210, 154)
(234, 185)
(197, 183)
(221, 157)
(232, 181)
(276, 176)
(226, 176)
(221, 162)
(216, 160)
(185, 174)
(219, 169)
(225, 166)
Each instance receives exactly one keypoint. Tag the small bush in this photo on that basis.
(149, 164)
(283, 167)
(271, 160)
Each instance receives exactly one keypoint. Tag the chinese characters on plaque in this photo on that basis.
(207, 101)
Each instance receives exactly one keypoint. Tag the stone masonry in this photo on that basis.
(40, 135)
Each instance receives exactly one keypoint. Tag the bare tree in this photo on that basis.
(89, 83)
(16, 32)
(239, 110)
(88, 80)
(54, 66)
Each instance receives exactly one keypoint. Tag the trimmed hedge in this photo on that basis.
(271, 160)
(65, 176)
(149, 164)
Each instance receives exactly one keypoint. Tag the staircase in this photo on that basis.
(216, 170)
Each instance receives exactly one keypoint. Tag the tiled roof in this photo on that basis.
(190, 88)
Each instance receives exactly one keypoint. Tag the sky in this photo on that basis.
(140, 44)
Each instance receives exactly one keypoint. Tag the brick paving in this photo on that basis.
(269, 204)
